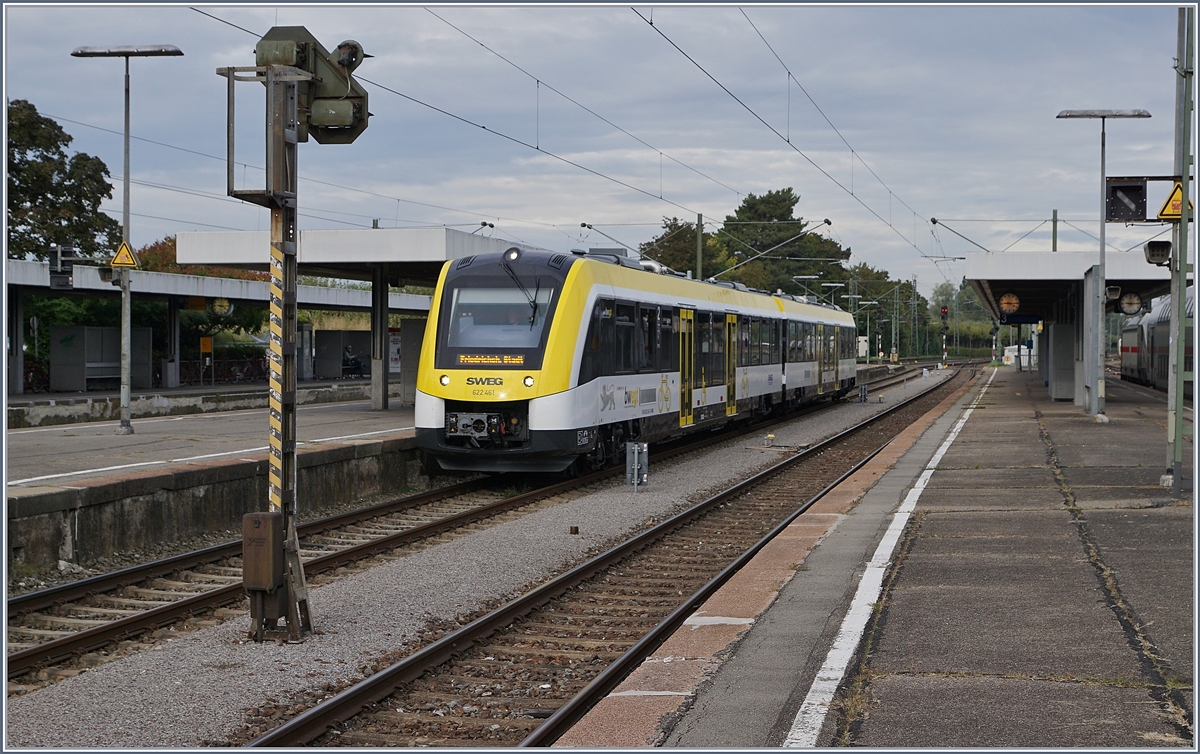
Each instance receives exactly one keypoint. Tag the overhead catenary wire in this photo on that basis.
(523, 143)
(307, 179)
(513, 139)
(541, 82)
(775, 131)
(791, 78)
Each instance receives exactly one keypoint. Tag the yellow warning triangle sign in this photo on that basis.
(1172, 209)
(124, 257)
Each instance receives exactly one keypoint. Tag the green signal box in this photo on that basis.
(333, 106)
(1125, 201)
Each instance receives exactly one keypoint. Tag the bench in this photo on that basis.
(101, 370)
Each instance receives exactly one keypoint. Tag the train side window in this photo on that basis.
(773, 330)
(765, 341)
(647, 338)
(755, 338)
(716, 364)
(670, 328)
(608, 338)
(626, 331)
(743, 341)
(589, 367)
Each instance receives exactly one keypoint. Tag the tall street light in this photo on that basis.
(1096, 399)
(126, 52)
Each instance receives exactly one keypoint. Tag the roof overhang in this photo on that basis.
(1042, 279)
(409, 256)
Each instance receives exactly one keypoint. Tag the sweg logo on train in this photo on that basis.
(485, 380)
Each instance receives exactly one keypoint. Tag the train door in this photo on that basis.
(687, 364)
(731, 353)
(820, 359)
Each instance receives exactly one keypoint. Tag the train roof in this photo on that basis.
(1162, 313)
(648, 274)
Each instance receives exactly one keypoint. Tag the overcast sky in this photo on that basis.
(949, 110)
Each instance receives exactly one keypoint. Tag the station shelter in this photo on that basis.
(84, 354)
(382, 257)
(1054, 289)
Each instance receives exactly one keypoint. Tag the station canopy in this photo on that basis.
(1041, 280)
(409, 256)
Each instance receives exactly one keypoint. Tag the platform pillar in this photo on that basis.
(379, 339)
(16, 342)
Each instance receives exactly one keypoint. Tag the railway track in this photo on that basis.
(65, 623)
(523, 674)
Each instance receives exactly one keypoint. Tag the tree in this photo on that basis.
(676, 248)
(53, 198)
(763, 223)
(160, 257)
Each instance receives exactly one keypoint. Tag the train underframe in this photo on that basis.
(495, 437)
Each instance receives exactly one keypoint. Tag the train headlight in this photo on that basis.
(512, 255)
(528, 381)
(444, 379)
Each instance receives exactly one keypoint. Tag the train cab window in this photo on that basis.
(626, 331)
(487, 320)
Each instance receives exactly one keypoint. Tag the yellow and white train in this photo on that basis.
(534, 361)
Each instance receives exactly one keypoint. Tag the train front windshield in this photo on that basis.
(493, 323)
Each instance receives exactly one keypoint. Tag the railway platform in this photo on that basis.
(1033, 586)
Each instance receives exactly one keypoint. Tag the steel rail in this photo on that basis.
(81, 642)
(74, 590)
(316, 721)
(93, 638)
(574, 709)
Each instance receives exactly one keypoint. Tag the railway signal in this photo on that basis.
(309, 91)
(62, 268)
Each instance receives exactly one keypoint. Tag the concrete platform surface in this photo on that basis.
(1041, 596)
(66, 453)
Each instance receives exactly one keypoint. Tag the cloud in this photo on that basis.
(949, 111)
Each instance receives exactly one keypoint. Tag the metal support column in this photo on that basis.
(1180, 266)
(699, 246)
(282, 128)
(291, 603)
(16, 341)
(379, 339)
(170, 374)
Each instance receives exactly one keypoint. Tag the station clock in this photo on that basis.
(222, 307)
(1009, 303)
(1130, 303)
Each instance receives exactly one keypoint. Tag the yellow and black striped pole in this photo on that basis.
(282, 129)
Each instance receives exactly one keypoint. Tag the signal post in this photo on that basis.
(309, 91)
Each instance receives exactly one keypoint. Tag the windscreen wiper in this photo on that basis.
(532, 299)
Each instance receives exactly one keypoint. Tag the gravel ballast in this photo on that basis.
(195, 689)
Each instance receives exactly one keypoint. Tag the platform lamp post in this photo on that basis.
(799, 280)
(1096, 399)
(127, 52)
(833, 291)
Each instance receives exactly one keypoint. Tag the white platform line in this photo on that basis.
(811, 716)
(195, 458)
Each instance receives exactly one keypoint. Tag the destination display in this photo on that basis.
(506, 359)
